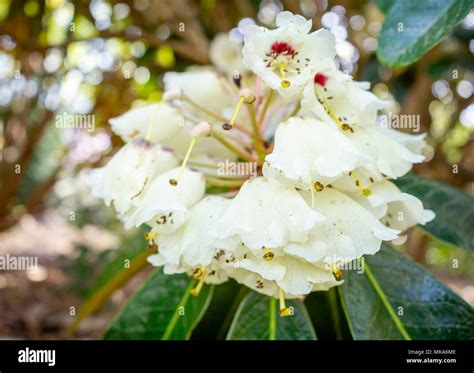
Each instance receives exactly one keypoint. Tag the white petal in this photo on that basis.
(269, 270)
(267, 214)
(404, 210)
(160, 122)
(142, 162)
(165, 207)
(300, 276)
(192, 242)
(302, 24)
(226, 54)
(348, 100)
(390, 157)
(348, 232)
(308, 150)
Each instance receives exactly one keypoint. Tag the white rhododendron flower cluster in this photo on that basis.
(321, 194)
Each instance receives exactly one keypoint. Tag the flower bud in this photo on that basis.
(248, 95)
(173, 94)
(202, 129)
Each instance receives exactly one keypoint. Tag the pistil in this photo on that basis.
(284, 83)
(365, 191)
(228, 126)
(323, 100)
(284, 310)
(203, 129)
(199, 274)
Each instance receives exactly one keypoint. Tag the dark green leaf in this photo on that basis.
(162, 309)
(454, 209)
(216, 321)
(412, 27)
(258, 319)
(327, 316)
(385, 5)
(410, 303)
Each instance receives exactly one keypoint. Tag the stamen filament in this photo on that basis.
(263, 111)
(342, 126)
(337, 272)
(213, 114)
(257, 138)
(229, 183)
(228, 126)
(365, 191)
(284, 310)
(233, 148)
(284, 83)
(175, 182)
(195, 292)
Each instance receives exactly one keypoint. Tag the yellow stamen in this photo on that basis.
(284, 310)
(342, 126)
(365, 191)
(195, 292)
(228, 126)
(284, 83)
(337, 272)
(318, 186)
(198, 273)
(269, 255)
(175, 182)
(150, 236)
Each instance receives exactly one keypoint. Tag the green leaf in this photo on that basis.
(258, 318)
(162, 309)
(216, 321)
(454, 209)
(412, 27)
(385, 5)
(327, 316)
(397, 299)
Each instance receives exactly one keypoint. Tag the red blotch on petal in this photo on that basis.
(281, 47)
(320, 79)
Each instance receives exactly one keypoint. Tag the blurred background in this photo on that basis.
(99, 58)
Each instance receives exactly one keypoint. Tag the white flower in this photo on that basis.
(267, 214)
(126, 177)
(165, 207)
(192, 244)
(158, 123)
(334, 97)
(226, 55)
(287, 57)
(307, 150)
(212, 274)
(349, 231)
(203, 87)
(390, 157)
(254, 281)
(402, 210)
(293, 275)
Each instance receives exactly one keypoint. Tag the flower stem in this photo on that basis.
(295, 109)
(257, 137)
(214, 115)
(233, 148)
(272, 317)
(229, 183)
(261, 113)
